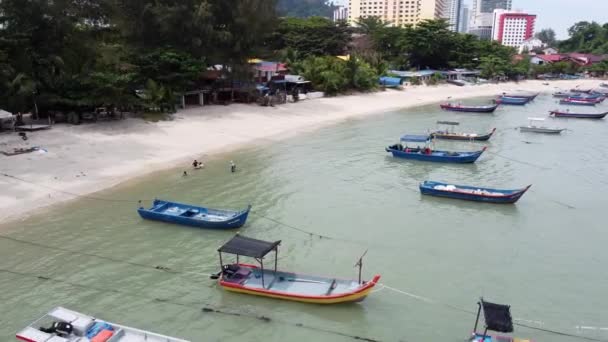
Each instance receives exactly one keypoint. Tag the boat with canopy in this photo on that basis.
(63, 325)
(259, 281)
(428, 154)
(568, 114)
(458, 107)
(450, 134)
(189, 215)
(471, 193)
(497, 318)
(533, 127)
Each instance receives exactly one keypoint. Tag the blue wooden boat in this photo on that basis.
(430, 155)
(189, 215)
(514, 101)
(468, 109)
(529, 97)
(471, 193)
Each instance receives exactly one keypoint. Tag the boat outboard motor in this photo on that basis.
(62, 329)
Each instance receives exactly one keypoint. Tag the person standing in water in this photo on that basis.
(232, 167)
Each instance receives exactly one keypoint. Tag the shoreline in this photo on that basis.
(93, 157)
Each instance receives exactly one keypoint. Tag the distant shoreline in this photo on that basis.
(90, 158)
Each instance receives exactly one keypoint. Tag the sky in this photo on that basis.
(558, 14)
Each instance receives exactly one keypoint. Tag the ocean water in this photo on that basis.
(546, 256)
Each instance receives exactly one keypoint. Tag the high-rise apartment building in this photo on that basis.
(397, 12)
(512, 28)
(464, 19)
(454, 14)
(482, 16)
(340, 13)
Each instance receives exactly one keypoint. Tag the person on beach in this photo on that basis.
(185, 174)
(197, 165)
(232, 167)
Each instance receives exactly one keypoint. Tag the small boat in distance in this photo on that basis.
(581, 90)
(568, 114)
(258, 281)
(561, 94)
(431, 155)
(575, 102)
(471, 193)
(189, 215)
(604, 85)
(514, 101)
(448, 134)
(532, 127)
(457, 107)
(497, 318)
(528, 96)
(70, 326)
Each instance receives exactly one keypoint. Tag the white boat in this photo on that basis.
(63, 325)
(532, 127)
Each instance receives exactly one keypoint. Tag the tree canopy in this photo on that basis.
(587, 37)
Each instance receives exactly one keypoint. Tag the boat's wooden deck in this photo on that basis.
(294, 283)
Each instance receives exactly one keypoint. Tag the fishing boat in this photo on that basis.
(456, 107)
(431, 155)
(514, 101)
(575, 102)
(498, 319)
(567, 114)
(471, 193)
(532, 127)
(529, 97)
(448, 134)
(561, 94)
(63, 325)
(256, 280)
(604, 85)
(581, 90)
(189, 215)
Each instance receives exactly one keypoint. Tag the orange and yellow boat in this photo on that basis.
(272, 283)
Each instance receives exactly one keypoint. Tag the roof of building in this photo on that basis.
(550, 58)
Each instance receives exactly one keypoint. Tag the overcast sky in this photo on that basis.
(559, 14)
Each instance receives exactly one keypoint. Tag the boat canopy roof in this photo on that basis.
(416, 138)
(452, 123)
(498, 317)
(242, 245)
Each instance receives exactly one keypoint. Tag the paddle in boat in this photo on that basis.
(533, 127)
(63, 325)
(449, 134)
(458, 107)
(575, 102)
(568, 114)
(471, 193)
(258, 281)
(514, 101)
(497, 318)
(189, 215)
(428, 154)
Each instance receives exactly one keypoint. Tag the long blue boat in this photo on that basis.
(468, 109)
(189, 215)
(472, 193)
(529, 97)
(515, 101)
(430, 155)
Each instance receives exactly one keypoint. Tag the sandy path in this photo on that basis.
(88, 158)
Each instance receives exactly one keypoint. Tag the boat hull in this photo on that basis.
(541, 130)
(447, 136)
(229, 220)
(512, 101)
(559, 114)
(577, 103)
(438, 156)
(286, 289)
(469, 109)
(508, 197)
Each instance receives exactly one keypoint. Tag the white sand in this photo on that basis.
(109, 153)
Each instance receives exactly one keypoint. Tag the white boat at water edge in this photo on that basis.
(532, 127)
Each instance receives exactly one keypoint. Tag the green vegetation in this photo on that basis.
(586, 37)
(546, 36)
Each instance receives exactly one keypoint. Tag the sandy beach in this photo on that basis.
(92, 157)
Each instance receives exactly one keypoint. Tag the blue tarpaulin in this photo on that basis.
(416, 138)
(390, 82)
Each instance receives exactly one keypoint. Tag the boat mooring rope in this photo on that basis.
(207, 308)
